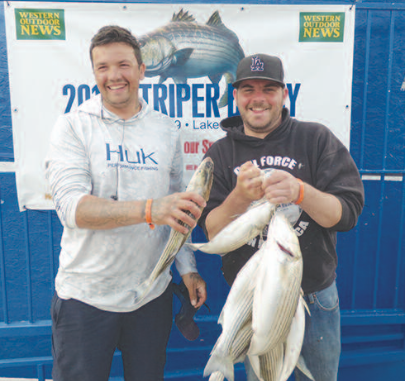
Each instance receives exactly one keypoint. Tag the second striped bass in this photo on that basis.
(236, 313)
(240, 231)
(200, 183)
(278, 286)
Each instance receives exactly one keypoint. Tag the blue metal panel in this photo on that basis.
(371, 260)
(6, 139)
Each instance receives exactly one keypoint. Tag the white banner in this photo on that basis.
(50, 69)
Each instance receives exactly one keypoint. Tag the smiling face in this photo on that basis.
(260, 103)
(117, 75)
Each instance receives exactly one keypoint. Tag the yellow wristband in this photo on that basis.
(148, 213)
(301, 194)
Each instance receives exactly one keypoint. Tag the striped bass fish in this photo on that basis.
(278, 286)
(200, 183)
(264, 315)
(279, 363)
(271, 363)
(294, 342)
(240, 231)
(236, 313)
(183, 49)
(238, 350)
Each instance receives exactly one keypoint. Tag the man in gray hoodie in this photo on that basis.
(115, 171)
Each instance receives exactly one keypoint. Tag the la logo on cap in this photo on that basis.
(257, 65)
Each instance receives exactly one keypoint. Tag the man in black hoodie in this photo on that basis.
(314, 179)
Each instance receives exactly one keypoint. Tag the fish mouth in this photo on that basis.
(285, 250)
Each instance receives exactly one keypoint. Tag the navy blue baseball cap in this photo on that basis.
(260, 66)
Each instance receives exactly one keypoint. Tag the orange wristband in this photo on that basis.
(301, 194)
(148, 213)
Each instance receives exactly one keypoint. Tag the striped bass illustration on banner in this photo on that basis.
(184, 49)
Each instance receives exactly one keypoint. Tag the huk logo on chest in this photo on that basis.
(139, 157)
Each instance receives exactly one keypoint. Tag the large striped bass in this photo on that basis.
(294, 344)
(277, 288)
(200, 183)
(184, 49)
(280, 362)
(240, 231)
(238, 350)
(236, 313)
(271, 363)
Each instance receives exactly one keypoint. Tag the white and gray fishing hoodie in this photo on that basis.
(94, 152)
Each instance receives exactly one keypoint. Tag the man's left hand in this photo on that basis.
(197, 289)
(281, 187)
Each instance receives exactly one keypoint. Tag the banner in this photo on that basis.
(51, 73)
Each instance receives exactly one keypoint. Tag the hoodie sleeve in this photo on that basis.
(185, 259)
(337, 174)
(67, 171)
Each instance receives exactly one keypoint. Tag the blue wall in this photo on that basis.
(371, 257)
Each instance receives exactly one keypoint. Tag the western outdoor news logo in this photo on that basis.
(322, 27)
(40, 24)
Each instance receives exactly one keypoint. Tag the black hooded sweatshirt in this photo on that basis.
(310, 152)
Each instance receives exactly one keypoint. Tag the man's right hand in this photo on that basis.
(171, 209)
(249, 182)
(248, 188)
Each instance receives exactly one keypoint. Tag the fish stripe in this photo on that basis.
(271, 363)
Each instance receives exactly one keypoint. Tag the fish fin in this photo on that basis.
(216, 376)
(215, 78)
(303, 368)
(182, 16)
(180, 57)
(222, 364)
(305, 305)
(162, 79)
(224, 99)
(144, 289)
(203, 247)
(255, 364)
(162, 66)
(221, 317)
(215, 20)
(195, 246)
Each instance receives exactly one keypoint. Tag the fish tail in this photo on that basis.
(144, 289)
(224, 99)
(216, 376)
(220, 364)
(194, 246)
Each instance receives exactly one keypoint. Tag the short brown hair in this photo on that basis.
(113, 33)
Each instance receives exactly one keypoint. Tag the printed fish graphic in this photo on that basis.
(184, 49)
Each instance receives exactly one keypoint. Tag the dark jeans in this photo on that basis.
(84, 339)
